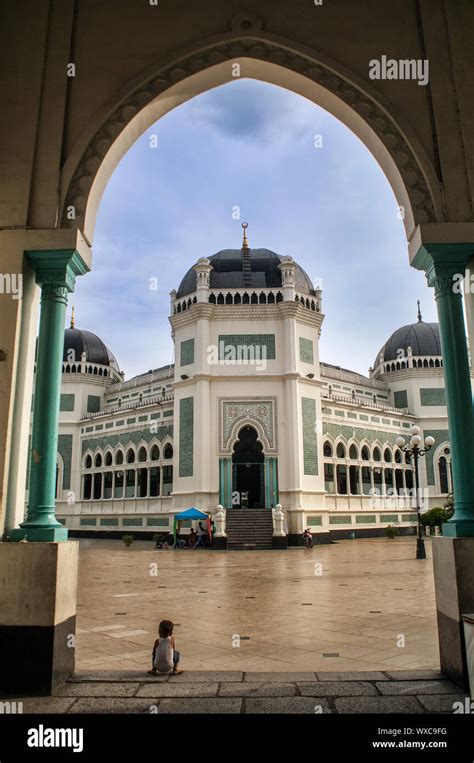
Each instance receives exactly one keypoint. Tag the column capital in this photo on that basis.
(443, 264)
(57, 267)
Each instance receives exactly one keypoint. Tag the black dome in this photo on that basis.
(228, 272)
(423, 338)
(80, 341)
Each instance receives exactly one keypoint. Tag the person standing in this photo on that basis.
(201, 533)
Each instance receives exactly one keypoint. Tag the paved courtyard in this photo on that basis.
(358, 605)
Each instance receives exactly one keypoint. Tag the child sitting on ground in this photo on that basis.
(165, 658)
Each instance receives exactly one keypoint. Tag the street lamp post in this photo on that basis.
(414, 451)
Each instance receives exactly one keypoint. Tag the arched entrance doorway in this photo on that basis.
(248, 472)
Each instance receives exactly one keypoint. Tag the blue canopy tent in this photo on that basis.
(192, 513)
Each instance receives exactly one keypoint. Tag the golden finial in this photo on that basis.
(245, 243)
(73, 320)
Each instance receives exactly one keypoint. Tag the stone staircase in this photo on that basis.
(249, 529)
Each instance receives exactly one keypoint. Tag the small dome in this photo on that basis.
(423, 338)
(78, 341)
(229, 272)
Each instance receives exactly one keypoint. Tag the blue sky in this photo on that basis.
(251, 145)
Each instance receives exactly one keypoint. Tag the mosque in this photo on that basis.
(248, 418)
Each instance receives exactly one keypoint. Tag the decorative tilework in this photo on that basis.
(340, 520)
(389, 518)
(365, 519)
(93, 404)
(158, 522)
(168, 413)
(109, 522)
(124, 438)
(186, 436)
(400, 398)
(187, 352)
(131, 421)
(87, 522)
(155, 416)
(314, 521)
(435, 396)
(262, 411)
(132, 522)
(66, 403)
(65, 451)
(351, 415)
(109, 425)
(247, 340)
(339, 413)
(336, 430)
(306, 350)
(310, 444)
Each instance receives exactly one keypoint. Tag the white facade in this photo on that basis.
(320, 439)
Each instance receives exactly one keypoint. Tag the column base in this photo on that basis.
(453, 563)
(37, 616)
(39, 534)
(279, 542)
(459, 529)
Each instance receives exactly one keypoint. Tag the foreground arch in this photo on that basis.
(355, 103)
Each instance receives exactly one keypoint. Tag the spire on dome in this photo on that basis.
(419, 312)
(73, 320)
(245, 243)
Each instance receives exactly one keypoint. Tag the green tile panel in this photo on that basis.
(310, 442)
(186, 436)
(306, 350)
(187, 352)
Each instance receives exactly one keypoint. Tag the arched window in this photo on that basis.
(443, 475)
(142, 454)
(168, 452)
(88, 462)
(155, 454)
(271, 298)
(108, 458)
(228, 299)
(130, 456)
(340, 451)
(237, 299)
(119, 457)
(398, 456)
(327, 449)
(377, 456)
(387, 456)
(212, 299)
(353, 453)
(365, 453)
(98, 460)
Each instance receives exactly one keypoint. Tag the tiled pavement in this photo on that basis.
(233, 692)
(355, 605)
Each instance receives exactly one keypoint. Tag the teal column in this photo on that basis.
(276, 498)
(228, 483)
(56, 273)
(444, 265)
(268, 495)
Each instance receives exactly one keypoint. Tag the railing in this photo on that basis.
(129, 406)
(365, 404)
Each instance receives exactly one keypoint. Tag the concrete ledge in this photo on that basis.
(249, 693)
